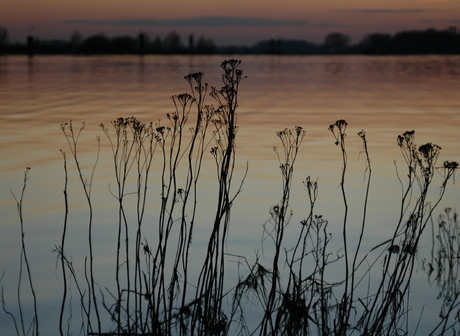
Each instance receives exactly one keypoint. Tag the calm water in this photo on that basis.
(385, 96)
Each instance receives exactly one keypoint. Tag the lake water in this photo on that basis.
(385, 96)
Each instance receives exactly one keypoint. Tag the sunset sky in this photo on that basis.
(241, 22)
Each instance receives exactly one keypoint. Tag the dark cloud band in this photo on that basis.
(211, 21)
(386, 11)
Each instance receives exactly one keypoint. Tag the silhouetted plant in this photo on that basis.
(280, 217)
(387, 311)
(443, 268)
(72, 137)
(311, 305)
(22, 327)
(157, 292)
(145, 300)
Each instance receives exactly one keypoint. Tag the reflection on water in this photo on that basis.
(443, 268)
(385, 96)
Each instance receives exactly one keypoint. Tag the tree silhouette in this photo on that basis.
(172, 42)
(376, 43)
(205, 46)
(95, 44)
(336, 42)
(75, 40)
(4, 38)
(430, 41)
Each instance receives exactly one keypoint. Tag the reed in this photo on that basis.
(156, 289)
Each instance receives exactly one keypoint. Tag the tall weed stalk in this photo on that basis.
(152, 295)
(443, 268)
(73, 135)
(157, 289)
(22, 327)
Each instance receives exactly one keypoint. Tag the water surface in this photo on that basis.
(385, 96)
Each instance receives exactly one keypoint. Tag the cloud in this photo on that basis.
(207, 21)
(451, 21)
(386, 11)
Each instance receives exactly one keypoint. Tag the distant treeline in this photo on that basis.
(430, 41)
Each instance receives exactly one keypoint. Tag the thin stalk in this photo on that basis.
(72, 139)
(24, 258)
(338, 130)
(210, 282)
(291, 140)
(62, 248)
(368, 169)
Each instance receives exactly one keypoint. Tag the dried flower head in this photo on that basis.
(450, 164)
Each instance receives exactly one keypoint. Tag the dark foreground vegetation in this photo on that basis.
(158, 288)
(430, 41)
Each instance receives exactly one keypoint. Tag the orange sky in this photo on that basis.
(310, 20)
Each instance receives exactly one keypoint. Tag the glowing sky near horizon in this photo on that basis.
(226, 22)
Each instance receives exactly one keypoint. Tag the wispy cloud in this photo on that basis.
(208, 21)
(386, 11)
(452, 21)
